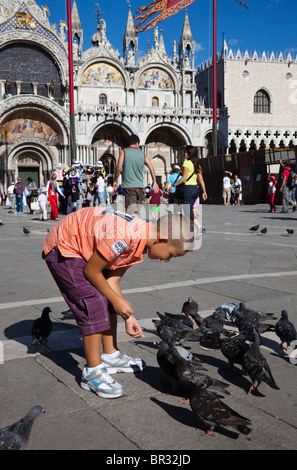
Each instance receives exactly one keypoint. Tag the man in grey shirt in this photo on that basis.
(132, 161)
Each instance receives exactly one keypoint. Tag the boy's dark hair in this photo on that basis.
(133, 139)
(178, 228)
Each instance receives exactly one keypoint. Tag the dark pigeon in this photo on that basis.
(174, 323)
(1, 223)
(250, 313)
(16, 436)
(264, 230)
(256, 366)
(285, 330)
(211, 411)
(254, 228)
(290, 231)
(26, 231)
(190, 306)
(187, 320)
(187, 371)
(42, 327)
(167, 365)
(171, 335)
(233, 348)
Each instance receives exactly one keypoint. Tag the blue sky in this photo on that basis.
(267, 25)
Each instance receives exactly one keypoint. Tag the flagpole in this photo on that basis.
(71, 86)
(214, 79)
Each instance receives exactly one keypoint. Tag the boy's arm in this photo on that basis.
(93, 273)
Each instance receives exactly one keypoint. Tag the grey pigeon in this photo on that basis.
(256, 366)
(285, 330)
(211, 411)
(167, 365)
(42, 327)
(254, 228)
(16, 436)
(190, 306)
(26, 231)
(227, 308)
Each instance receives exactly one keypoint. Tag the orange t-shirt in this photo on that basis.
(120, 238)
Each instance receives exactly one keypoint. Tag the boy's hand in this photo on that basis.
(133, 328)
(123, 308)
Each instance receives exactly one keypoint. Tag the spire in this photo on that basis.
(76, 24)
(186, 34)
(130, 42)
(162, 50)
(130, 28)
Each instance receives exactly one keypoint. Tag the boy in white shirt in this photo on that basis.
(42, 199)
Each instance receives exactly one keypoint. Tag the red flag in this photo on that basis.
(166, 7)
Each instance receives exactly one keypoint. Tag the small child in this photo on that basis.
(42, 199)
(271, 193)
(88, 253)
(154, 200)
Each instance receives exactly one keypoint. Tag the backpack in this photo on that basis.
(291, 180)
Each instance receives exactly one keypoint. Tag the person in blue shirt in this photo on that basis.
(173, 178)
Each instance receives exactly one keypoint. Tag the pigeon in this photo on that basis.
(248, 325)
(10, 212)
(228, 309)
(215, 321)
(233, 348)
(254, 228)
(285, 330)
(16, 436)
(190, 307)
(174, 323)
(290, 231)
(26, 231)
(256, 366)
(181, 317)
(255, 314)
(42, 327)
(1, 223)
(187, 370)
(212, 411)
(172, 335)
(264, 230)
(167, 365)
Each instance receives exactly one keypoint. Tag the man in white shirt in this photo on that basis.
(11, 195)
(226, 190)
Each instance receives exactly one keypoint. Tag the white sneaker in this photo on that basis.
(122, 363)
(100, 382)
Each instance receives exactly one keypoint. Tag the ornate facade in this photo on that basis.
(259, 92)
(115, 95)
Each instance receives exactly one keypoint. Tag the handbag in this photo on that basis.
(34, 205)
(179, 190)
(89, 196)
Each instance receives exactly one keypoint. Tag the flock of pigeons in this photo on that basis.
(240, 345)
(264, 230)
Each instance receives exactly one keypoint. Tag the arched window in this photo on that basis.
(155, 101)
(103, 99)
(261, 102)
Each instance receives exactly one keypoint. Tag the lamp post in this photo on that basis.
(71, 86)
(214, 80)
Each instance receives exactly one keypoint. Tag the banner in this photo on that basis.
(165, 7)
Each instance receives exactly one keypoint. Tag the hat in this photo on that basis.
(99, 164)
(43, 190)
(176, 166)
(19, 178)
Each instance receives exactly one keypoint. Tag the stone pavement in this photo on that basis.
(233, 264)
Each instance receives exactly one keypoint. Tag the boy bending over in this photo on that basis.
(88, 253)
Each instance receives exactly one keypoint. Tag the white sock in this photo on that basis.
(88, 370)
(110, 357)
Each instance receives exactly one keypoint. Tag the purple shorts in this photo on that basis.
(90, 308)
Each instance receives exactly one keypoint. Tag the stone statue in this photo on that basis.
(7, 86)
(103, 29)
